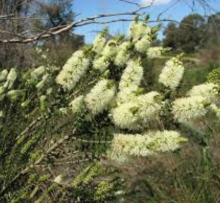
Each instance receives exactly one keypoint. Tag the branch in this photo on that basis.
(130, 2)
(6, 16)
(68, 27)
(129, 20)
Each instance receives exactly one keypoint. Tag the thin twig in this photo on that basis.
(131, 2)
(89, 20)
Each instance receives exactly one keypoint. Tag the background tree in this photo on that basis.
(14, 55)
(171, 35)
(213, 30)
(188, 36)
(58, 13)
(26, 17)
(191, 32)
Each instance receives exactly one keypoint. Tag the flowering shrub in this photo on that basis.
(96, 98)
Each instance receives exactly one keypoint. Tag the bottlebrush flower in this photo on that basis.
(99, 43)
(101, 63)
(207, 90)
(186, 109)
(143, 44)
(14, 94)
(73, 70)
(110, 49)
(132, 75)
(150, 105)
(126, 116)
(127, 94)
(146, 144)
(77, 104)
(155, 52)
(139, 30)
(215, 109)
(122, 56)
(100, 96)
(172, 73)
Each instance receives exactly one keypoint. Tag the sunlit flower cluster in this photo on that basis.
(77, 104)
(138, 30)
(150, 105)
(155, 52)
(207, 90)
(132, 75)
(73, 70)
(127, 94)
(101, 63)
(186, 109)
(122, 56)
(141, 35)
(133, 108)
(126, 116)
(99, 43)
(146, 144)
(100, 96)
(143, 44)
(131, 114)
(110, 49)
(172, 73)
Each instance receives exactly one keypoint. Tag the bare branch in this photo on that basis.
(89, 20)
(130, 2)
(130, 20)
(6, 16)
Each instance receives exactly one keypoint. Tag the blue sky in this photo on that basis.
(177, 10)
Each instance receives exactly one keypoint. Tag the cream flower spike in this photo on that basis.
(150, 105)
(77, 104)
(132, 75)
(127, 95)
(172, 73)
(189, 108)
(126, 116)
(101, 63)
(99, 43)
(143, 44)
(100, 96)
(110, 49)
(207, 90)
(156, 52)
(139, 30)
(73, 70)
(147, 144)
(122, 56)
